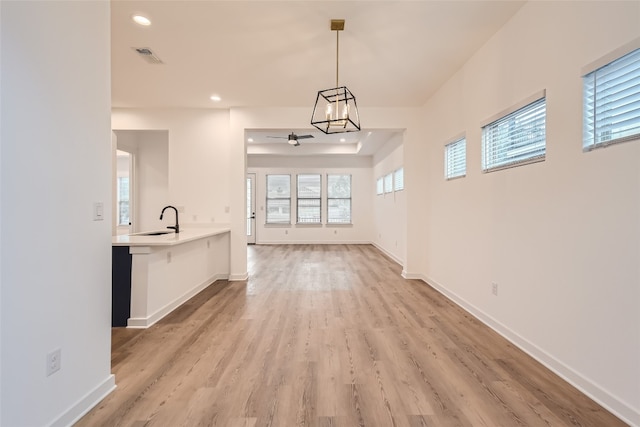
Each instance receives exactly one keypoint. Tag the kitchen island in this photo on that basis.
(155, 274)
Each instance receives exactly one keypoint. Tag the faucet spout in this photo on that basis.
(174, 227)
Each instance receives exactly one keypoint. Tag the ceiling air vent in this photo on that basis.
(146, 54)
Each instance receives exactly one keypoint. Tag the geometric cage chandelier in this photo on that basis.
(336, 110)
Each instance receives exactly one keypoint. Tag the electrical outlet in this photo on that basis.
(494, 288)
(168, 257)
(286, 231)
(335, 231)
(54, 361)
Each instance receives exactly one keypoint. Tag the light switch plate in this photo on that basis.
(98, 211)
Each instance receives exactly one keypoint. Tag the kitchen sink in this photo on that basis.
(153, 233)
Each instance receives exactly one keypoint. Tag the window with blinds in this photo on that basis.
(380, 186)
(308, 200)
(611, 97)
(455, 159)
(338, 199)
(278, 199)
(123, 200)
(516, 138)
(398, 179)
(388, 183)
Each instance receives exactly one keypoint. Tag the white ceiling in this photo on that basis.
(280, 53)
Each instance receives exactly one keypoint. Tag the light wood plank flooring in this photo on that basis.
(330, 335)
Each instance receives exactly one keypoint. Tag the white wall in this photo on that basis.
(293, 118)
(561, 238)
(56, 162)
(360, 170)
(150, 151)
(390, 209)
(198, 158)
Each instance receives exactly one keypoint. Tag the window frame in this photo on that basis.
(603, 68)
(398, 184)
(267, 205)
(450, 171)
(329, 199)
(299, 198)
(515, 117)
(123, 202)
(390, 181)
(380, 186)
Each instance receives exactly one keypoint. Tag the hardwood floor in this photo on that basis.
(330, 335)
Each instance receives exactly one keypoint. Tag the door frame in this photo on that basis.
(250, 189)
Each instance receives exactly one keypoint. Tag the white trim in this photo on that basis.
(515, 107)
(145, 322)
(616, 406)
(86, 403)
(315, 242)
(387, 253)
(610, 57)
(458, 137)
(238, 277)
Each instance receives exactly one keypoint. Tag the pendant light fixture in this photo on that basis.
(335, 110)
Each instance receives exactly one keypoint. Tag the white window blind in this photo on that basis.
(398, 179)
(123, 200)
(517, 138)
(338, 199)
(309, 193)
(278, 199)
(611, 96)
(455, 159)
(380, 186)
(388, 183)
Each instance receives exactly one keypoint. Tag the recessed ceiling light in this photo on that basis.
(342, 140)
(250, 140)
(141, 20)
(215, 98)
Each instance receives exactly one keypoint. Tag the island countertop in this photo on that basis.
(185, 235)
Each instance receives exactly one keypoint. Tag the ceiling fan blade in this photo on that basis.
(278, 137)
(305, 136)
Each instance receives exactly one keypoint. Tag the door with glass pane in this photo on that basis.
(251, 208)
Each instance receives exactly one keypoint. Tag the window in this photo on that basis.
(309, 192)
(611, 97)
(516, 138)
(388, 183)
(455, 159)
(338, 199)
(278, 199)
(380, 186)
(123, 200)
(398, 179)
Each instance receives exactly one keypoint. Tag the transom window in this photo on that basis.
(455, 159)
(611, 96)
(398, 179)
(515, 138)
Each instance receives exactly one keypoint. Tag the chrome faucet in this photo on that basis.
(177, 226)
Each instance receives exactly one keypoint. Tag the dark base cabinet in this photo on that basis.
(120, 285)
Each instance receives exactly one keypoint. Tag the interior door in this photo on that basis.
(251, 208)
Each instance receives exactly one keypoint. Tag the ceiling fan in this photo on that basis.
(292, 139)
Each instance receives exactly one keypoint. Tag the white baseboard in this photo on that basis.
(84, 405)
(387, 253)
(619, 408)
(145, 322)
(238, 277)
(315, 242)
